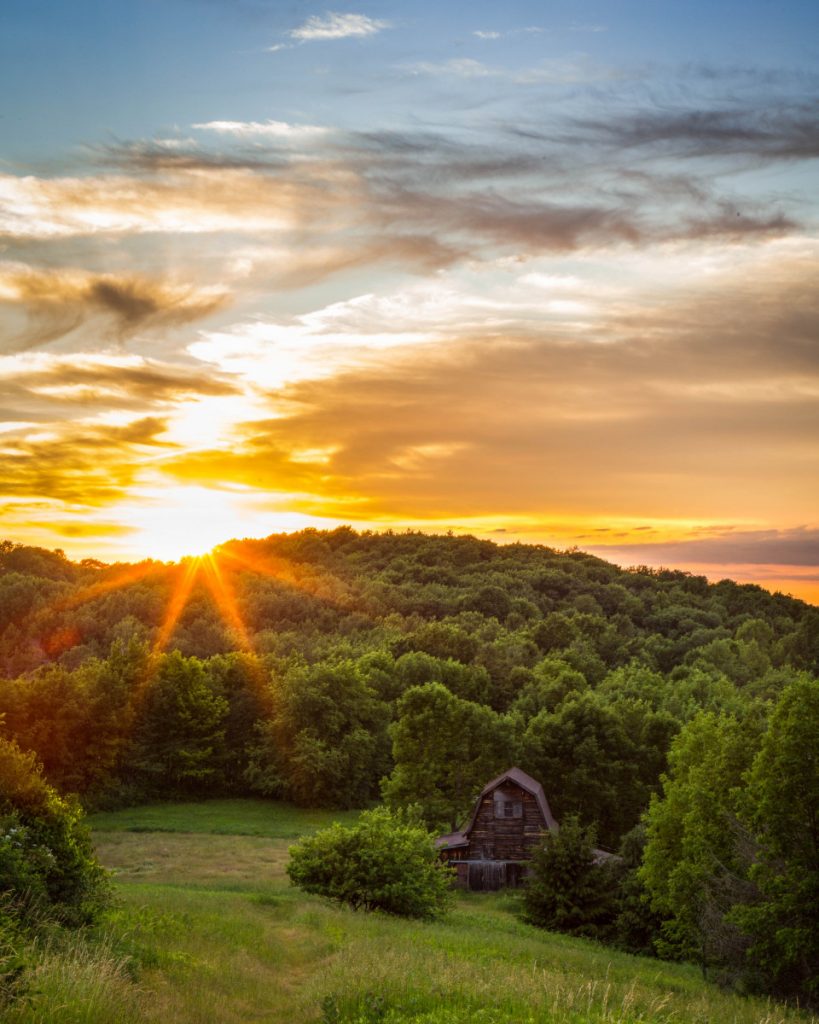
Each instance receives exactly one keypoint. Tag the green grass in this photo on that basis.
(214, 934)
(268, 818)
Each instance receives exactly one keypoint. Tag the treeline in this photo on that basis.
(335, 668)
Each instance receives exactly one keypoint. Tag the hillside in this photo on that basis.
(211, 931)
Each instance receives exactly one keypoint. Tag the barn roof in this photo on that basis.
(461, 838)
(526, 782)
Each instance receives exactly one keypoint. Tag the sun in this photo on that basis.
(176, 522)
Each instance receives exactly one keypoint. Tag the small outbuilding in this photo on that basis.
(508, 821)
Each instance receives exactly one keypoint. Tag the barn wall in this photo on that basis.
(504, 839)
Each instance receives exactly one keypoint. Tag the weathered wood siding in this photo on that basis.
(505, 838)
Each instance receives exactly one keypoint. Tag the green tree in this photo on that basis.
(552, 680)
(598, 759)
(691, 834)
(179, 728)
(386, 861)
(782, 810)
(325, 743)
(445, 750)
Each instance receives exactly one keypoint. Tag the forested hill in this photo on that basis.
(335, 667)
(502, 607)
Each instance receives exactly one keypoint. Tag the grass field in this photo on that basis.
(208, 931)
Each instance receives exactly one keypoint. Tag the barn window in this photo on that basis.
(508, 809)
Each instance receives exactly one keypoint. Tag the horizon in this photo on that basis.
(212, 554)
(536, 275)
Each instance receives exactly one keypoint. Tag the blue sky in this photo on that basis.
(77, 72)
(535, 271)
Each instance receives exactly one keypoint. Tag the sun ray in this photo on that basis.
(277, 568)
(132, 574)
(225, 599)
(63, 637)
(176, 604)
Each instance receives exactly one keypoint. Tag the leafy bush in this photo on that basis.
(385, 862)
(47, 866)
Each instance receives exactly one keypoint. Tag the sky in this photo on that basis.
(538, 272)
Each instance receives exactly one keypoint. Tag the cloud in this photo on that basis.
(794, 547)
(337, 26)
(39, 386)
(663, 410)
(56, 302)
(91, 465)
(417, 198)
(181, 198)
(273, 129)
(574, 69)
(492, 35)
(787, 132)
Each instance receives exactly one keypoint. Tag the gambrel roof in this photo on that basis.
(519, 778)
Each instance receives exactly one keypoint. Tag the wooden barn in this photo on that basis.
(507, 823)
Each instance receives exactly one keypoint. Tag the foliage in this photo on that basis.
(606, 754)
(782, 809)
(386, 862)
(567, 889)
(445, 750)
(47, 866)
(691, 834)
(179, 729)
(636, 926)
(325, 742)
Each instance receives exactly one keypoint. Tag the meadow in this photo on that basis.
(207, 929)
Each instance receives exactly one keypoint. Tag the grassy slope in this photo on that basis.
(223, 938)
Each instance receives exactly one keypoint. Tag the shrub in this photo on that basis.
(567, 891)
(387, 861)
(47, 865)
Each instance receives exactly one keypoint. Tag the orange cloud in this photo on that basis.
(56, 302)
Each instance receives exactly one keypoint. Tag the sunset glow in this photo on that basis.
(536, 275)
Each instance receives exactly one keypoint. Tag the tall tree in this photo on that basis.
(178, 731)
(445, 750)
(782, 809)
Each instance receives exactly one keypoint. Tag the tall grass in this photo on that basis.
(479, 968)
(75, 981)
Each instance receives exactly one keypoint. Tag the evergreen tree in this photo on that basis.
(567, 891)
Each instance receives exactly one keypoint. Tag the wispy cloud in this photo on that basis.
(271, 129)
(56, 302)
(773, 132)
(337, 26)
(794, 547)
(188, 195)
(83, 464)
(39, 383)
(574, 69)
(490, 34)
